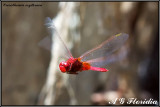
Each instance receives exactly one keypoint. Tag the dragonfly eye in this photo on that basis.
(63, 69)
(64, 66)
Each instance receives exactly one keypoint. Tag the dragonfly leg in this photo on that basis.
(75, 73)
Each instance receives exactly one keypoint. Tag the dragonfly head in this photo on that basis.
(64, 66)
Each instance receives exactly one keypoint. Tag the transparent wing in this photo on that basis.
(98, 55)
(46, 42)
(103, 61)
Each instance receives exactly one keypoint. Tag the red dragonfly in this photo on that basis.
(92, 59)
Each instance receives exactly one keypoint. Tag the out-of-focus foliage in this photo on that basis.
(25, 64)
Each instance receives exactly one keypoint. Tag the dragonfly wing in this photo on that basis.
(102, 61)
(46, 42)
(100, 53)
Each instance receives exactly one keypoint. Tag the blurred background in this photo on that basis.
(30, 74)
